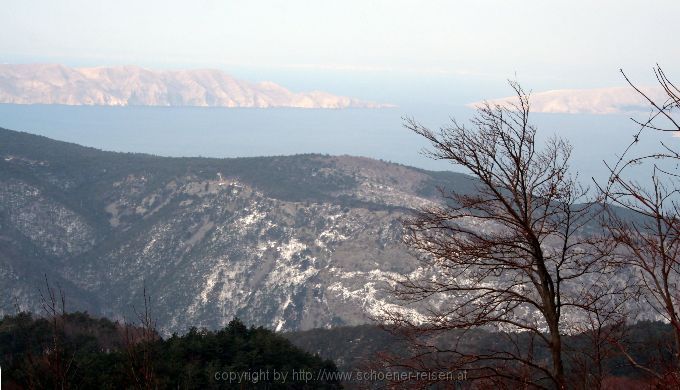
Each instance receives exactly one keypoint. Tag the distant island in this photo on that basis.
(600, 101)
(136, 86)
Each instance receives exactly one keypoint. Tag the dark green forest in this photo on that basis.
(77, 351)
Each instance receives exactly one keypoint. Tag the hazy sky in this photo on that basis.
(548, 43)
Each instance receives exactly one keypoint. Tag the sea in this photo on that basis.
(375, 133)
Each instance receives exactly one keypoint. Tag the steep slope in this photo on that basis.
(290, 243)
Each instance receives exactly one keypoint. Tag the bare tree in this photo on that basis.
(55, 359)
(139, 340)
(648, 236)
(510, 256)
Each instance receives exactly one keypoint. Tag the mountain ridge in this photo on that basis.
(286, 242)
